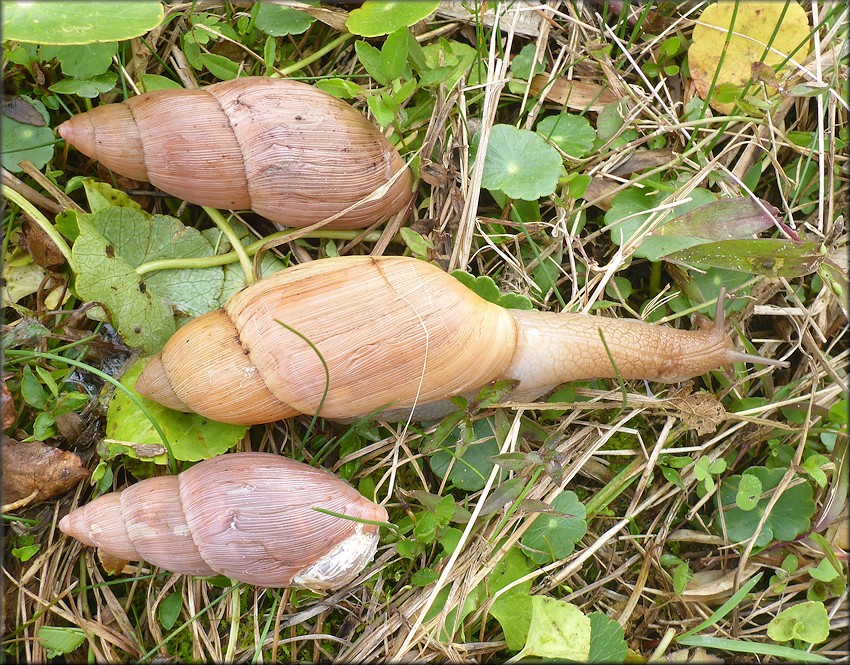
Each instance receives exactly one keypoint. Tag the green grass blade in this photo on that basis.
(797, 655)
(724, 609)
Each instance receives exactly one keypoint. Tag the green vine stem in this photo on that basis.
(250, 250)
(235, 242)
(44, 223)
(310, 59)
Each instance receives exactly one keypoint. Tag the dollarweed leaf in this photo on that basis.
(607, 643)
(553, 536)
(512, 609)
(571, 133)
(22, 141)
(788, 518)
(520, 164)
(279, 21)
(472, 468)
(79, 22)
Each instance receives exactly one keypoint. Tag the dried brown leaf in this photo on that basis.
(21, 110)
(573, 94)
(8, 406)
(40, 247)
(36, 467)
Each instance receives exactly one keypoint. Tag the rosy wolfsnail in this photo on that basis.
(249, 516)
(284, 149)
(400, 333)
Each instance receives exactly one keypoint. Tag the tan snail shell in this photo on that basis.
(284, 149)
(249, 516)
(397, 332)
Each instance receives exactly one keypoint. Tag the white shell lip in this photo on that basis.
(343, 563)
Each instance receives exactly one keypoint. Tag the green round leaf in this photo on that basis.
(520, 164)
(788, 518)
(379, 17)
(79, 22)
(808, 622)
(87, 60)
(88, 88)
(571, 133)
(278, 21)
(471, 470)
(553, 536)
(21, 142)
(192, 437)
(749, 490)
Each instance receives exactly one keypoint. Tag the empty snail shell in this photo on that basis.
(249, 516)
(284, 149)
(399, 332)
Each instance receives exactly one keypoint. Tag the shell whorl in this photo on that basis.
(418, 337)
(272, 145)
(249, 516)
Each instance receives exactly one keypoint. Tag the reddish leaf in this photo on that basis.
(726, 219)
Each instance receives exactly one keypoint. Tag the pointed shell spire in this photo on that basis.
(250, 516)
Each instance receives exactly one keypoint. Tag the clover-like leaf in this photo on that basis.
(749, 491)
(808, 622)
(88, 88)
(520, 164)
(84, 61)
(486, 287)
(571, 133)
(523, 64)
(788, 518)
(553, 536)
(471, 470)
(79, 22)
(192, 437)
(724, 52)
(381, 17)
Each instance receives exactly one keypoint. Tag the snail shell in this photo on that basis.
(249, 516)
(284, 149)
(398, 332)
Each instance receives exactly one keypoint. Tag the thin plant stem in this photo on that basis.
(235, 242)
(43, 222)
(310, 59)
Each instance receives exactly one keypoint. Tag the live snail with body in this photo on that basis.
(284, 149)
(396, 333)
(250, 516)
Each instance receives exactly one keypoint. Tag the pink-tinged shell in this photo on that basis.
(393, 331)
(287, 150)
(250, 516)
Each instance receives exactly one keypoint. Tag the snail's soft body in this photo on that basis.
(397, 333)
(284, 149)
(250, 516)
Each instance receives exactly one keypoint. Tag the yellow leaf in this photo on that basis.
(755, 24)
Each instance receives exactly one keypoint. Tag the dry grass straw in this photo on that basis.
(613, 569)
